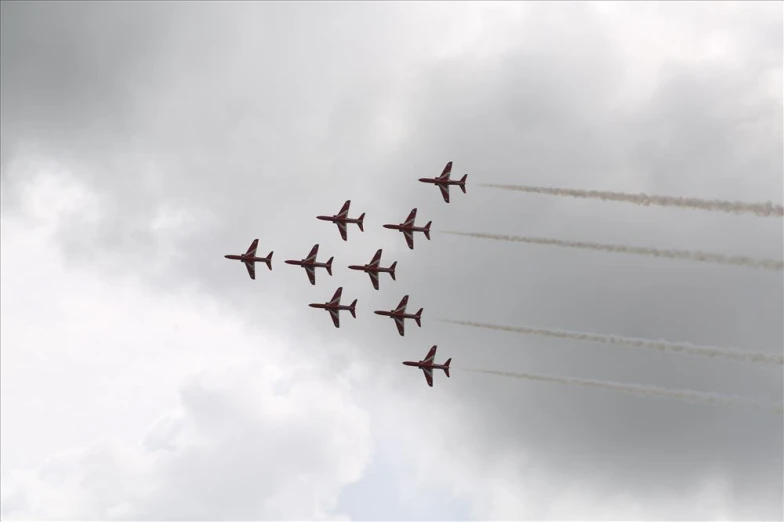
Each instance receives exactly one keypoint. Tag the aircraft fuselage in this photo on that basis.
(401, 315)
(327, 306)
(245, 258)
(437, 181)
(368, 268)
(412, 228)
(315, 264)
(338, 219)
(425, 365)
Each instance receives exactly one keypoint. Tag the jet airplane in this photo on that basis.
(443, 181)
(399, 315)
(341, 219)
(334, 307)
(408, 228)
(250, 259)
(427, 365)
(373, 268)
(310, 264)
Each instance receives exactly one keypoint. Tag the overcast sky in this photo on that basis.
(144, 376)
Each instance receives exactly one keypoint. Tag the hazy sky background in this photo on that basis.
(146, 377)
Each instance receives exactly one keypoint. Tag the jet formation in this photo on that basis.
(373, 268)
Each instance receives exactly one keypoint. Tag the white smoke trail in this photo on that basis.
(661, 345)
(766, 209)
(704, 257)
(637, 389)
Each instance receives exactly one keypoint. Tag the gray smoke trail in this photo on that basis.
(766, 209)
(704, 257)
(637, 389)
(661, 345)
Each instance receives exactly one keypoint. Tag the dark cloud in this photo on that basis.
(269, 128)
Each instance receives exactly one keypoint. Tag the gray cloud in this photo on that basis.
(254, 123)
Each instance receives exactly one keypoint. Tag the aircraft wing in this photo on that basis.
(447, 171)
(374, 279)
(445, 192)
(402, 306)
(313, 253)
(428, 376)
(411, 217)
(409, 238)
(342, 228)
(335, 317)
(311, 274)
(344, 210)
(376, 258)
(336, 298)
(431, 355)
(252, 248)
(400, 326)
(251, 266)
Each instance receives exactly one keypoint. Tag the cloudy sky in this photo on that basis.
(144, 376)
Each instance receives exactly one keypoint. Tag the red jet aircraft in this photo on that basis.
(310, 264)
(399, 314)
(250, 259)
(408, 228)
(341, 219)
(334, 307)
(427, 365)
(373, 269)
(443, 181)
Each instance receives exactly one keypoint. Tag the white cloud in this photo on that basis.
(440, 452)
(254, 429)
(254, 424)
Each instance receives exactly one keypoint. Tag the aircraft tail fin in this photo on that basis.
(352, 309)
(418, 317)
(446, 366)
(361, 222)
(392, 270)
(269, 260)
(463, 182)
(427, 229)
(329, 265)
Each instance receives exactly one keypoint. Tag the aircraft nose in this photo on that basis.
(313, 305)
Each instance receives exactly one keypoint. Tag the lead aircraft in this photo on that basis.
(443, 181)
(427, 365)
(250, 259)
